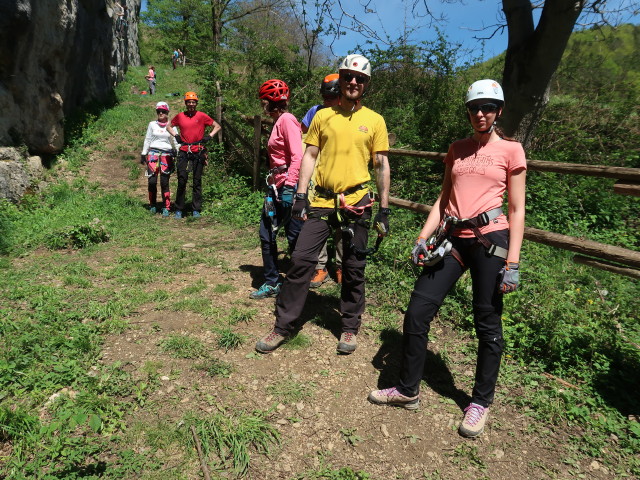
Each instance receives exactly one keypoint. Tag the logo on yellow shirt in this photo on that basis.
(363, 129)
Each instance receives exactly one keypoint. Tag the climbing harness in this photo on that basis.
(346, 225)
(159, 162)
(201, 153)
(439, 244)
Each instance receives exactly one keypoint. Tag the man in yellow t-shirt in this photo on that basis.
(349, 136)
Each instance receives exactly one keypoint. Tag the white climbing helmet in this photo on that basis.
(357, 63)
(486, 89)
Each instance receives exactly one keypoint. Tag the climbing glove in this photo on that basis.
(286, 197)
(143, 159)
(300, 208)
(419, 252)
(178, 138)
(509, 277)
(381, 222)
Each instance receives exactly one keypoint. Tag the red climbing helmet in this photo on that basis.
(274, 90)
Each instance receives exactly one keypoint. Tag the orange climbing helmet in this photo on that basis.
(274, 90)
(191, 96)
(330, 86)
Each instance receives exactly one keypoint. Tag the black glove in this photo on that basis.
(287, 196)
(300, 208)
(381, 222)
(178, 138)
(509, 277)
(143, 159)
(206, 139)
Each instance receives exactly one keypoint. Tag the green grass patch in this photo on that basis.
(183, 346)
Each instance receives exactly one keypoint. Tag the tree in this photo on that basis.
(181, 24)
(533, 53)
(224, 12)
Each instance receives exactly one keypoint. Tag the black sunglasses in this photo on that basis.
(360, 79)
(485, 108)
(160, 110)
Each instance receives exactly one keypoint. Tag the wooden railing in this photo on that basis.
(599, 255)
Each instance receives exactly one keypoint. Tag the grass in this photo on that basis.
(291, 390)
(65, 288)
(183, 346)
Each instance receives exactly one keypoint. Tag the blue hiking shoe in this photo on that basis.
(265, 291)
(178, 214)
(152, 210)
(196, 214)
(165, 212)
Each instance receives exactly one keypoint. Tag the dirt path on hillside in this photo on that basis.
(332, 421)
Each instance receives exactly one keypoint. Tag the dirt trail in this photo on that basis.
(335, 419)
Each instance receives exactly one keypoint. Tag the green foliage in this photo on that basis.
(326, 472)
(183, 346)
(77, 236)
(216, 368)
(231, 436)
(290, 390)
(228, 339)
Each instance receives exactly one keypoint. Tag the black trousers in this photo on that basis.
(314, 234)
(196, 160)
(428, 294)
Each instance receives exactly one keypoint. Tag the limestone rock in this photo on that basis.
(59, 55)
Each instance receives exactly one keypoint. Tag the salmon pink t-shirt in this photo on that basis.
(479, 175)
(285, 148)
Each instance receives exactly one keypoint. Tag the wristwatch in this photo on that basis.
(385, 211)
(300, 196)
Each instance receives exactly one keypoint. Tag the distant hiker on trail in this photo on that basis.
(151, 79)
(344, 139)
(285, 155)
(174, 58)
(330, 92)
(158, 153)
(467, 229)
(192, 156)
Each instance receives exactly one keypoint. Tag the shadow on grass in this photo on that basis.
(436, 374)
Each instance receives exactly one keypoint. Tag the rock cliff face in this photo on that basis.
(58, 55)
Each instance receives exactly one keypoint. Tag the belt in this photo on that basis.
(326, 193)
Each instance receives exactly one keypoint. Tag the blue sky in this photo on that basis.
(465, 21)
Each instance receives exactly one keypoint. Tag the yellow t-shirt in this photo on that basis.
(347, 143)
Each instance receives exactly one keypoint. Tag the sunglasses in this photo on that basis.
(360, 79)
(160, 110)
(485, 108)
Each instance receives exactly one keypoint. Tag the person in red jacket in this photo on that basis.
(192, 155)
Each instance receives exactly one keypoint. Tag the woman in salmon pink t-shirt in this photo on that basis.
(467, 230)
(285, 156)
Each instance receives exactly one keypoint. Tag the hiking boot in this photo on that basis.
(347, 343)
(152, 210)
(338, 276)
(269, 343)
(178, 214)
(319, 278)
(165, 212)
(196, 214)
(391, 396)
(265, 291)
(475, 416)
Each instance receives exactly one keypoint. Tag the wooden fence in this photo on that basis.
(599, 255)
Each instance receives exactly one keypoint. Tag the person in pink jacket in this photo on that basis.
(285, 155)
(467, 229)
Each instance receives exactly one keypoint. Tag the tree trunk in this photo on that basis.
(217, 9)
(533, 55)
